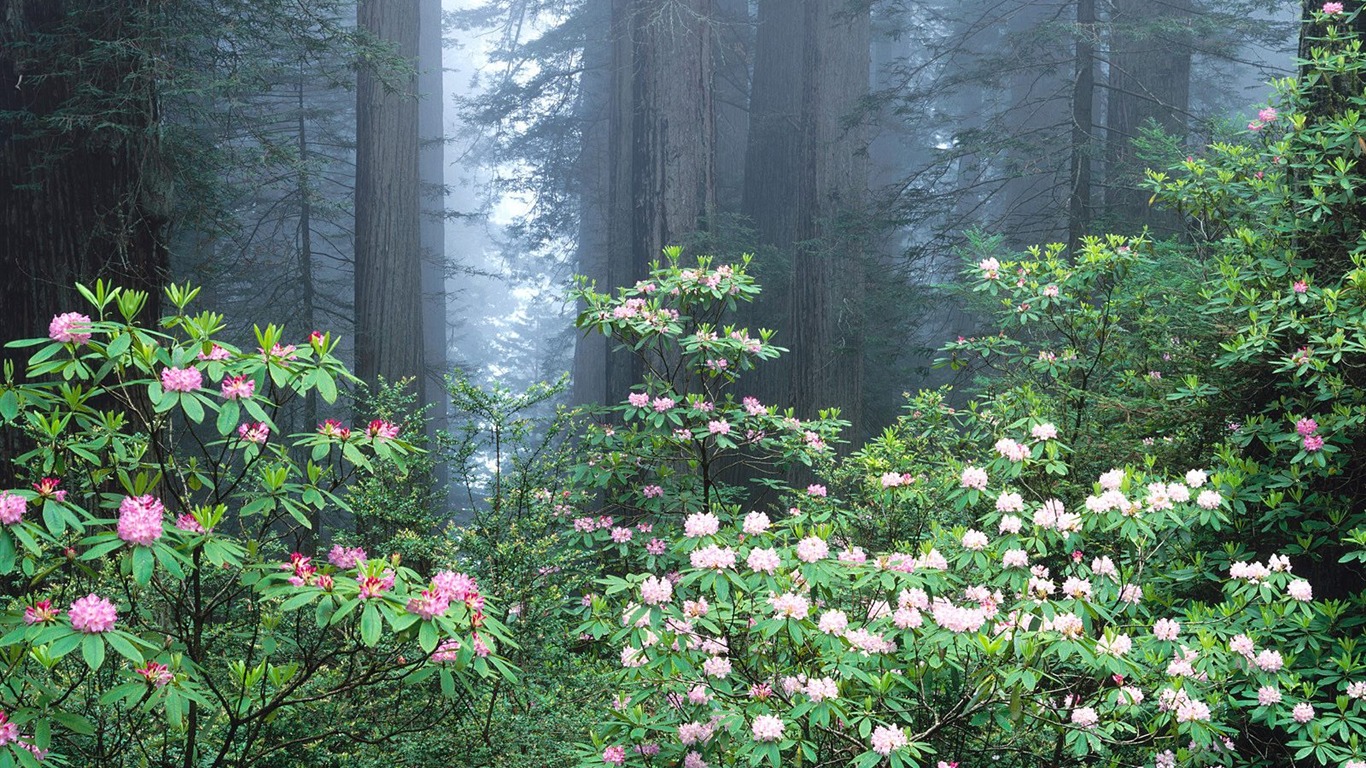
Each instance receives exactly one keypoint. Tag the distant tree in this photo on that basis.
(86, 180)
(806, 182)
(389, 336)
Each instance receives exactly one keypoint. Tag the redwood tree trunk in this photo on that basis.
(806, 181)
(649, 156)
(389, 337)
(1083, 122)
(84, 189)
(1150, 69)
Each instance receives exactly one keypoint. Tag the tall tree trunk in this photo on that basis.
(389, 336)
(432, 230)
(659, 146)
(1150, 70)
(594, 115)
(1083, 122)
(85, 191)
(806, 183)
(84, 188)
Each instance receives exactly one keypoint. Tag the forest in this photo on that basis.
(699, 383)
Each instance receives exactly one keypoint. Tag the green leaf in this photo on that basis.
(428, 636)
(92, 650)
(123, 647)
(370, 624)
(229, 414)
(194, 410)
(143, 565)
(9, 405)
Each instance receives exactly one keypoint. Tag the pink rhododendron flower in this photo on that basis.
(1012, 450)
(1044, 432)
(975, 540)
(1010, 501)
(655, 547)
(1116, 646)
(254, 432)
(694, 733)
(381, 430)
(1300, 286)
(1269, 661)
(9, 730)
(187, 522)
(237, 387)
(1332, 9)
(1313, 443)
(820, 689)
(652, 491)
(346, 557)
(713, 556)
(755, 523)
(92, 614)
(1300, 590)
(719, 427)
(767, 728)
(694, 760)
(638, 399)
(701, 524)
(614, 755)
(1303, 712)
(812, 549)
(140, 519)
(656, 591)
(155, 673)
(12, 508)
(215, 353)
(1306, 427)
(1196, 478)
(1112, 480)
(428, 605)
(181, 379)
(833, 622)
(815, 490)
(1085, 717)
(1166, 629)
(1015, 558)
(886, 740)
(718, 667)
(974, 478)
(662, 404)
(764, 561)
(790, 605)
(1209, 500)
(69, 328)
(1010, 524)
(333, 428)
(622, 535)
(40, 612)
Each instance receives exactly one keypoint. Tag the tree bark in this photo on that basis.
(84, 188)
(806, 183)
(658, 141)
(1150, 70)
(1083, 122)
(389, 335)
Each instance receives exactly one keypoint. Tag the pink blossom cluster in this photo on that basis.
(140, 519)
(656, 591)
(303, 568)
(69, 328)
(237, 387)
(1307, 429)
(345, 557)
(701, 524)
(156, 674)
(255, 432)
(181, 379)
(12, 507)
(790, 605)
(40, 612)
(92, 614)
(379, 429)
(767, 728)
(1012, 450)
(334, 428)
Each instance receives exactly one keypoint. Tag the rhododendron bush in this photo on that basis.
(156, 612)
(1022, 616)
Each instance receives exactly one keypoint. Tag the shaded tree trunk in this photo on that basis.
(389, 335)
(85, 191)
(1150, 72)
(84, 188)
(658, 181)
(1083, 122)
(806, 183)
